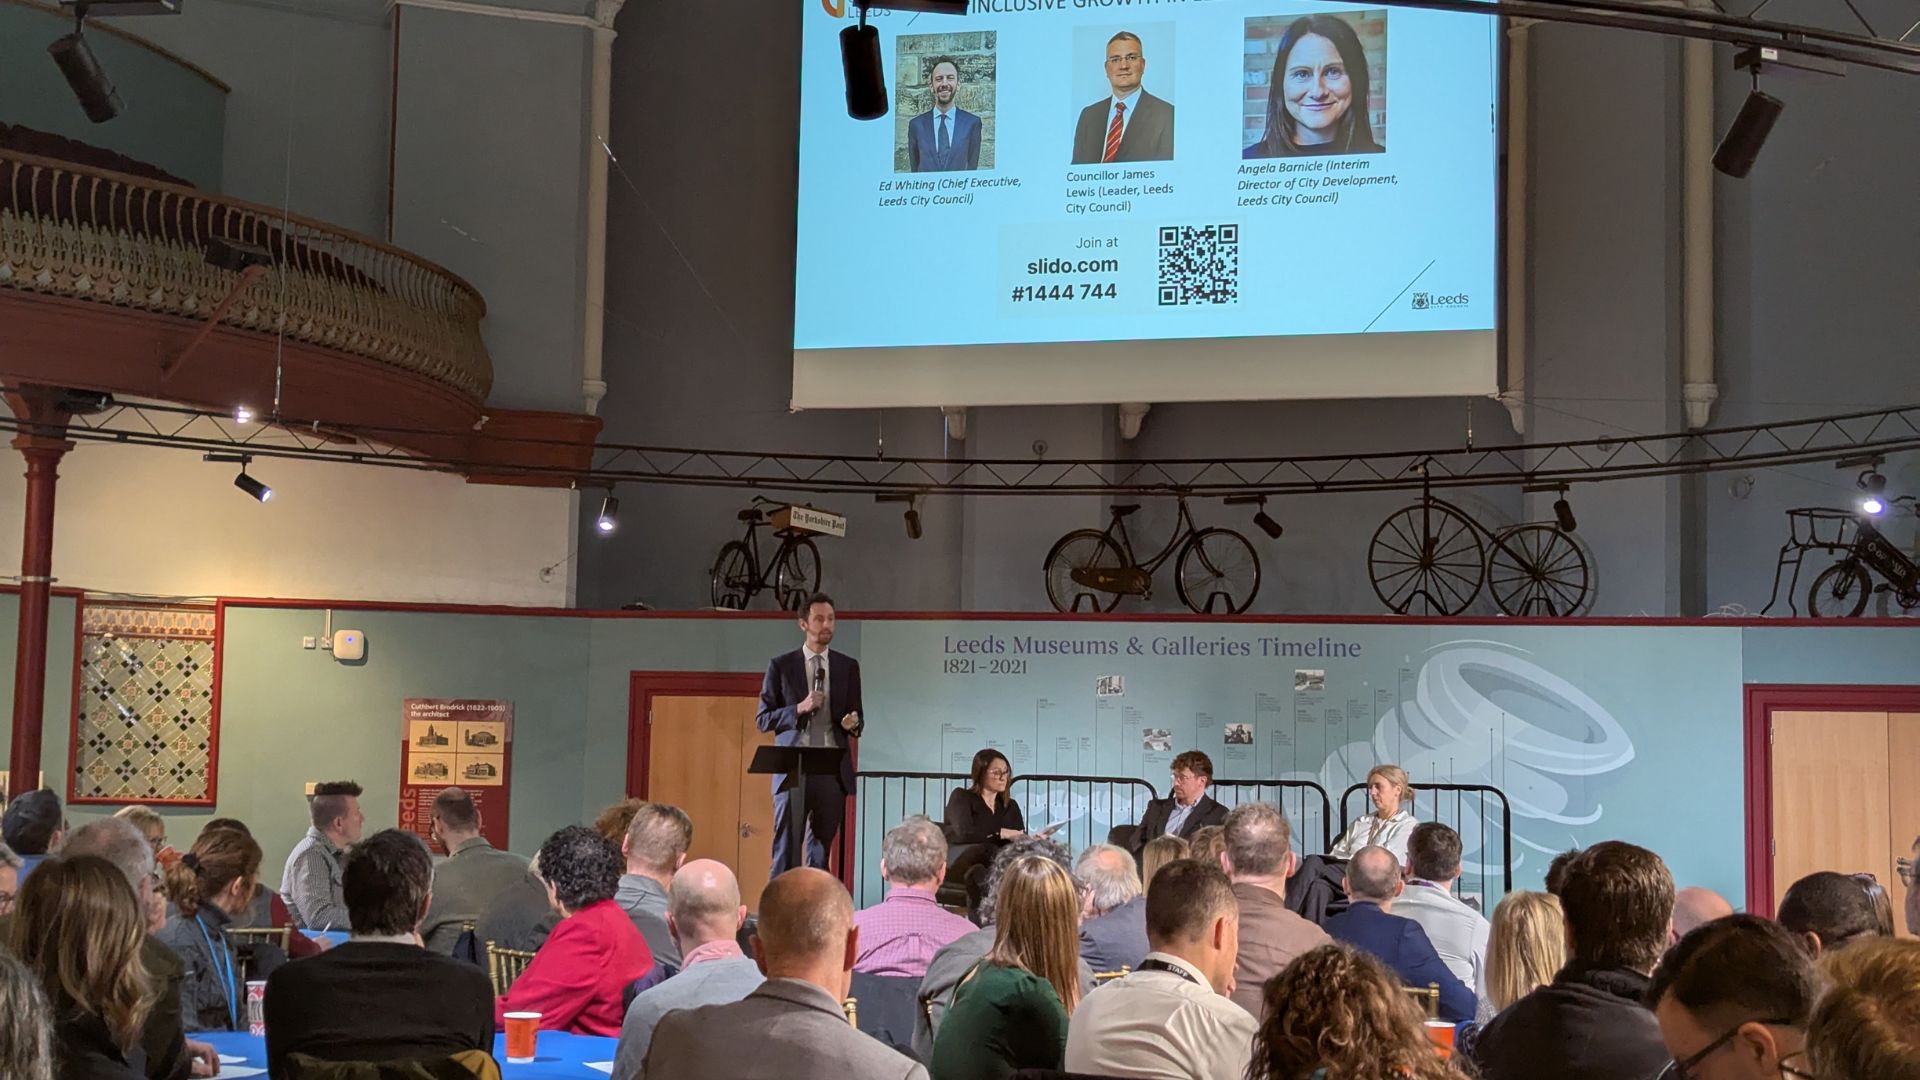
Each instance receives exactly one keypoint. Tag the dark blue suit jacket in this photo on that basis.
(785, 687)
(1404, 947)
(963, 145)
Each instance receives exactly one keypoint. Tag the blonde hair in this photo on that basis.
(1526, 947)
(1207, 844)
(1867, 1025)
(1339, 1009)
(80, 929)
(146, 819)
(1037, 925)
(1396, 776)
(1160, 851)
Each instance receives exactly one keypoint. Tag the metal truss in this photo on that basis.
(1823, 438)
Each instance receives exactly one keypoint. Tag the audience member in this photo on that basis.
(1373, 883)
(1733, 998)
(577, 979)
(11, 866)
(1526, 949)
(1867, 1024)
(614, 820)
(26, 1023)
(34, 827)
(1589, 1024)
(1207, 843)
(79, 929)
(1258, 857)
(791, 1027)
(1908, 878)
(1458, 932)
(655, 844)
(521, 916)
(1826, 910)
(1113, 912)
(704, 913)
(311, 881)
(900, 935)
(1160, 851)
(154, 828)
(211, 884)
(1557, 870)
(1337, 1013)
(380, 997)
(1187, 808)
(1694, 907)
(981, 820)
(1389, 824)
(956, 961)
(170, 1054)
(1882, 903)
(1171, 1018)
(472, 876)
(1011, 1013)
(268, 909)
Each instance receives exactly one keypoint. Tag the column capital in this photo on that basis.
(604, 13)
(44, 410)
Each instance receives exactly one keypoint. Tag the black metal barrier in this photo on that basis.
(1309, 811)
(1466, 812)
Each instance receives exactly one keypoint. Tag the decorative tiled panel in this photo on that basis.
(145, 730)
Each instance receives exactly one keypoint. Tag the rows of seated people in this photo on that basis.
(1201, 946)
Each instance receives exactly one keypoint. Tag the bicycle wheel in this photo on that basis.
(1536, 569)
(1217, 564)
(1078, 550)
(1426, 559)
(732, 577)
(797, 575)
(1840, 592)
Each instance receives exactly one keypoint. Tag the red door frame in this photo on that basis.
(1762, 702)
(644, 685)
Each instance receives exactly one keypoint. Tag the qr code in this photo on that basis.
(1199, 264)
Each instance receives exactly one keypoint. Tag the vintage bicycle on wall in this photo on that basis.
(1842, 590)
(1433, 558)
(1216, 570)
(793, 573)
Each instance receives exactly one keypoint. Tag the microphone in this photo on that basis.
(820, 678)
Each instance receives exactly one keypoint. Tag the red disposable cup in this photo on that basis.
(256, 1007)
(1440, 1033)
(523, 1030)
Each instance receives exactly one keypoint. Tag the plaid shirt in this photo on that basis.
(899, 935)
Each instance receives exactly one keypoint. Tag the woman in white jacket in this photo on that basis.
(1388, 825)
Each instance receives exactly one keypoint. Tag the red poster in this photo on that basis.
(456, 741)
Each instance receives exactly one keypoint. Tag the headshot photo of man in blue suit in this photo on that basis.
(945, 138)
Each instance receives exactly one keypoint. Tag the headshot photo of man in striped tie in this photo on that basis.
(1128, 124)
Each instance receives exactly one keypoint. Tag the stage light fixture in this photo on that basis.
(242, 414)
(912, 517)
(609, 518)
(248, 484)
(1563, 513)
(1873, 505)
(1740, 148)
(85, 77)
(865, 71)
(1261, 518)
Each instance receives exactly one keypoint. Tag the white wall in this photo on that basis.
(153, 521)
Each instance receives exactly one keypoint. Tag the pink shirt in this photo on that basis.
(899, 935)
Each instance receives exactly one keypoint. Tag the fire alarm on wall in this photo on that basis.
(349, 645)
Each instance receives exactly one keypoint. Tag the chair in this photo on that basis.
(466, 1065)
(1428, 996)
(253, 964)
(263, 935)
(888, 1005)
(1100, 977)
(504, 966)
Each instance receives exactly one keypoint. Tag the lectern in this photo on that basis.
(797, 763)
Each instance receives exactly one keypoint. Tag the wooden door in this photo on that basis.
(1903, 755)
(1830, 795)
(692, 738)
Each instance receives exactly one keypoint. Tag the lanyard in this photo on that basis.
(1162, 965)
(223, 967)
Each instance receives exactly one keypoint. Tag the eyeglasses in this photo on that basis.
(1131, 58)
(1678, 1069)
(1001, 773)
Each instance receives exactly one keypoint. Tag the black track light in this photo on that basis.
(88, 80)
(1267, 524)
(913, 523)
(251, 486)
(1563, 513)
(1747, 134)
(609, 518)
(865, 71)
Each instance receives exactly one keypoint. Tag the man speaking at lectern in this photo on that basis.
(811, 697)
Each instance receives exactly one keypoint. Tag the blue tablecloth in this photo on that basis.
(558, 1055)
(331, 937)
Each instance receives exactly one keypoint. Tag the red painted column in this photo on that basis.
(43, 445)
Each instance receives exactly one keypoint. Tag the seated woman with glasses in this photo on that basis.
(981, 818)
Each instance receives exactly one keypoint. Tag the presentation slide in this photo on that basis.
(1155, 200)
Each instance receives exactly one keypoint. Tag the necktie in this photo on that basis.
(1113, 130)
(941, 142)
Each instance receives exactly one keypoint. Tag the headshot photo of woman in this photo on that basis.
(1319, 90)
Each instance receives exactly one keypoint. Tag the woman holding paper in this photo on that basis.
(981, 819)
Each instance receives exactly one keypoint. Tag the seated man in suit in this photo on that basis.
(1188, 809)
(471, 877)
(381, 996)
(1259, 859)
(945, 138)
(792, 1027)
(1113, 913)
(1373, 880)
(1129, 124)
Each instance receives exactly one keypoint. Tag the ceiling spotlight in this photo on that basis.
(913, 522)
(1563, 513)
(609, 518)
(1260, 516)
(865, 71)
(1872, 482)
(88, 80)
(244, 482)
(1747, 134)
(1873, 505)
(242, 414)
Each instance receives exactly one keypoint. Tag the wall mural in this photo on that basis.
(144, 728)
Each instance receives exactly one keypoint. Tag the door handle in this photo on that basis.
(746, 831)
